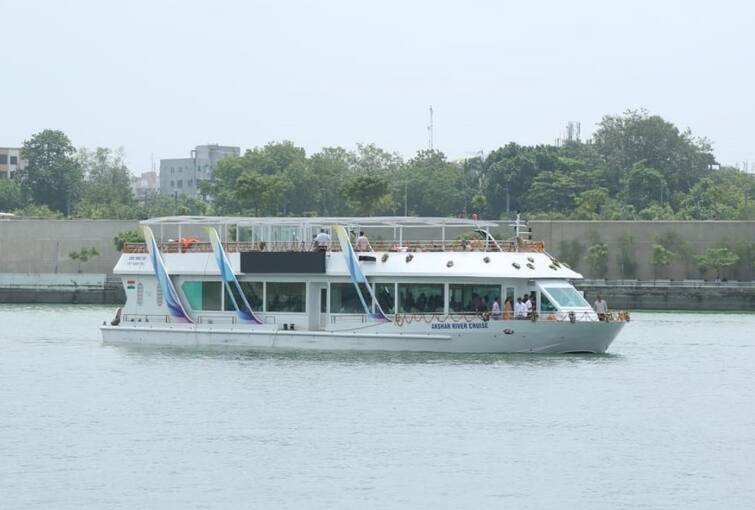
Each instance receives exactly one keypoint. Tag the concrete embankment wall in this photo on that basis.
(83, 288)
(660, 297)
(634, 241)
(42, 247)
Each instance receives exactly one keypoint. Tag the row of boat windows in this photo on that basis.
(291, 297)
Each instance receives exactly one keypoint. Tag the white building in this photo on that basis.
(183, 175)
(144, 185)
(10, 161)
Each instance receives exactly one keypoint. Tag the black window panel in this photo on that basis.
(283, 262)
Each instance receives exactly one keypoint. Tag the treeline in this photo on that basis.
(637, 166)
(62, 181)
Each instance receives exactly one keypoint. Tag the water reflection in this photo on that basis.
(294, 357)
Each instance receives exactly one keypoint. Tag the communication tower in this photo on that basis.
(430, 129)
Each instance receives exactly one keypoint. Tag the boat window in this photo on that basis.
(252, 292)
(567, 297)
(344, 299)
(285, 296)
(204, 295)
(472, 298)
(420, 297)
(545, 304)
(385, 293)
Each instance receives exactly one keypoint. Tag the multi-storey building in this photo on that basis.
(10, 161)
(182, 175)
(143, 185)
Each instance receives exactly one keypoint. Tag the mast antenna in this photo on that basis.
(430, 129)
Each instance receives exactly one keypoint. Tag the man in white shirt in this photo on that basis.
(322, 240)
(520, 309)
(527, 306)
(601, 308)
(363, 244)
(496, 309)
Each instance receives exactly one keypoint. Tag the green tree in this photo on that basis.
(726, 194)
(10, 195)
(591, 203)
(433, 185)
(644, 186)
(625, 259)
(509, 172)
(106, 192)
(661, 258)
(717, 259)
(597, 254)
(552, 191)
(366, 194)
(331, 167)
(52, 176)
(261, 193)
(38, 212)
(83, 255)
(128, 236)
(636, 136)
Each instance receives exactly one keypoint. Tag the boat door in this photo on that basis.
(317, 305)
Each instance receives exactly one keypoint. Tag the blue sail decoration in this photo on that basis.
(243, 310)
(175, 307)
(357, 276)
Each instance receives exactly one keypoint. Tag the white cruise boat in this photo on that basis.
(266, 283)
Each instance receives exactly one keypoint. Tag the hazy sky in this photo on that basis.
(159, 77)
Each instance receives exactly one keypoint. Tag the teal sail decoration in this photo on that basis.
(243, 309)
(175, 307)
(357, 276)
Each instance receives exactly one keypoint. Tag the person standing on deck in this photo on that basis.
(527, 305)
(363, 244)
(508, 308)
(601, 308)
(322, 240)
(496, 309)
(520, 309)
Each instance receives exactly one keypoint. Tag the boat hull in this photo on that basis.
(489, 337)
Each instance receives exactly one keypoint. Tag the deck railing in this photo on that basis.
(693, 284)
(191, 246)
(401, 319)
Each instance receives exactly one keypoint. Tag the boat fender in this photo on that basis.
(572, 317)
(485, 316)
(534, 317)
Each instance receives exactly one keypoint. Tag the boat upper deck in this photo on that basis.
(182, 234)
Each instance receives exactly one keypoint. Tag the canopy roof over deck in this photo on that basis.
(299, 229)
(370, 221)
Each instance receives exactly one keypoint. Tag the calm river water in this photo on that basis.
(667, 420)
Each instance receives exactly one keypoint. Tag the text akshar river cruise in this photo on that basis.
(421, 284)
